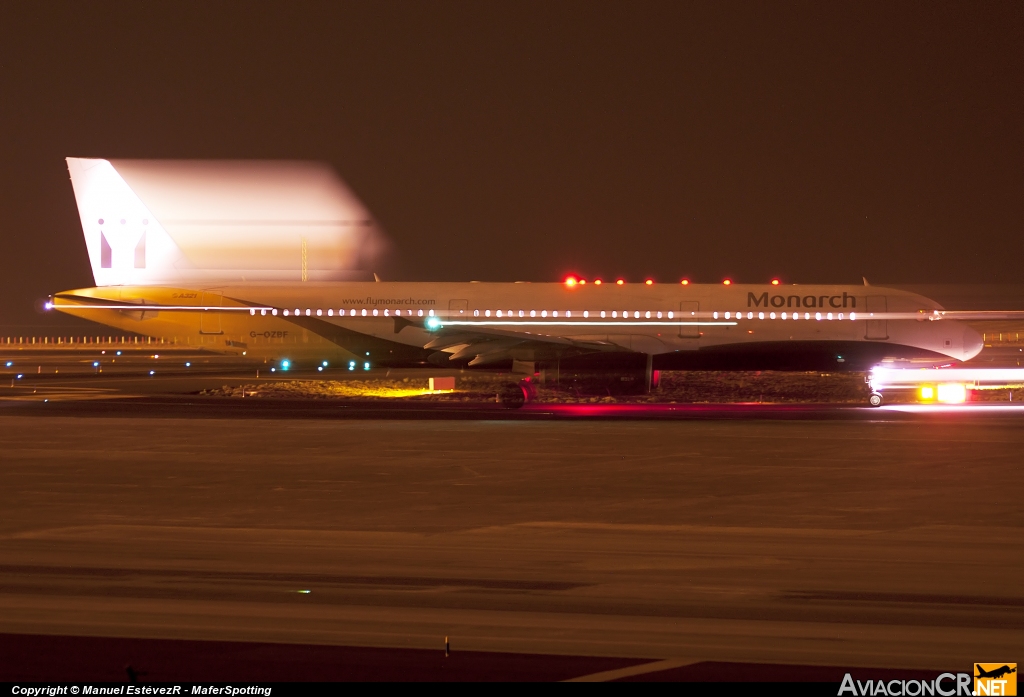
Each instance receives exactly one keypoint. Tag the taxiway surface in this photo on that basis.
(879, 539)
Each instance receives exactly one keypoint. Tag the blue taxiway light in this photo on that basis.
(10, 363)
(366, 366)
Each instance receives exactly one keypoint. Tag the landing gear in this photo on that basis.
(512, 396)
(875, 399)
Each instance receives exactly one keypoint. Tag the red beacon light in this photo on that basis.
(619, 282)
(570, 281)
(685, 281)
(649, 282)
(775, 281)
(597, 281)
(727, 282)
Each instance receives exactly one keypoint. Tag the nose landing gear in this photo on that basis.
(875, 399)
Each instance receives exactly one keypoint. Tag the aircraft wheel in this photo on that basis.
(512, 396)
(875, 399)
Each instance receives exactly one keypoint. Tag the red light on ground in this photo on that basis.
(649, 282)
(685, 282)
(597, 282)
(582, 281)
(727, 282)
(619, 282)
(571, 281)
(775, 281)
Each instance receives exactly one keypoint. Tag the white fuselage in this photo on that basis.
(326, 319)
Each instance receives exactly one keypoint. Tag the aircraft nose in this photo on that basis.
(973, 343)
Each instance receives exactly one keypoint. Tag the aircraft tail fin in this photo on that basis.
(127, 245)
(203, 223)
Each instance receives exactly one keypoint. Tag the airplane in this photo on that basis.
(269, 260)
(995, 673)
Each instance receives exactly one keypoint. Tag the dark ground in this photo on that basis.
(873, 538)
(38, 658)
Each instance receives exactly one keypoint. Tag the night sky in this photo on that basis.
(817, 142)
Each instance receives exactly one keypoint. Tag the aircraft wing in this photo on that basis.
(486, 345)
(982, 315)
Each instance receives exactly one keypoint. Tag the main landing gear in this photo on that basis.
(515, 395)
(875, 399)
